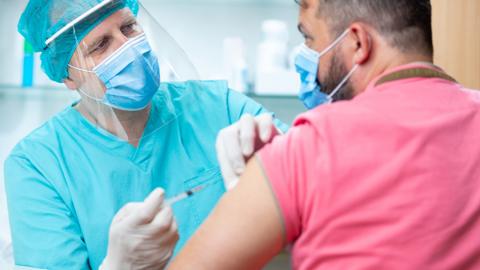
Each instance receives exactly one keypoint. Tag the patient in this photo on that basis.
(388, 177)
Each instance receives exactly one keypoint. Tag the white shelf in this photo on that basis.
(224, 2)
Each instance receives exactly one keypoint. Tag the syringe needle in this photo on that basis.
(172, 200)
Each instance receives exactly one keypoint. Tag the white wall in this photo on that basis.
(10, 43)
(199, 26)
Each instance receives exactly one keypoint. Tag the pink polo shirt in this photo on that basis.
(388, 180)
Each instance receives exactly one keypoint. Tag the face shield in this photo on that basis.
(117, 67)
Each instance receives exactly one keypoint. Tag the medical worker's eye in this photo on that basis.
(302, 31)
(306, 36)
(101, 46)
(129, 29)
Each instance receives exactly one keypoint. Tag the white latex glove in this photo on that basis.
(142, 235)
(238, 142)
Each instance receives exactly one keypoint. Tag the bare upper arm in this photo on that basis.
(244, 231)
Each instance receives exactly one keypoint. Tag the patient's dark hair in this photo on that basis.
(406, 24)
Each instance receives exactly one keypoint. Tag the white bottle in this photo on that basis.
(273, 76)
(235, 64)
(272, 52)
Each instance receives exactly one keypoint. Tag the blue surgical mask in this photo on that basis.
(131, 76)
(307, 63)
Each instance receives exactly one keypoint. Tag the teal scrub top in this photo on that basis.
(67, 179)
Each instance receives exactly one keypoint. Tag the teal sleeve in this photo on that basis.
(45, 233)
(239, 104)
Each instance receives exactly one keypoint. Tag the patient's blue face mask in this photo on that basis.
(131, 76)
(307, 63)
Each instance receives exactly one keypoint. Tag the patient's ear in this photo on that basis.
(361, 41)
(70, 84)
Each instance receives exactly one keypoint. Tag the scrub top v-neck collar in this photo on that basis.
(162, 113)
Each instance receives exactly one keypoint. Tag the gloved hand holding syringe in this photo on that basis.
(149, 223)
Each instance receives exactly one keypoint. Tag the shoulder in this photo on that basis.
(206, 99)
(340, 115)
(26, 161)
(195, 89)
(192, 96)
(36, 162)
(45, 138)
(473, 94)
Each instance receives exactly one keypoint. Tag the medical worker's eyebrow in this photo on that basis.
(98, 41)
(129, 20)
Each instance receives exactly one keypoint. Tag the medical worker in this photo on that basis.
(130, 134)
(387, 177)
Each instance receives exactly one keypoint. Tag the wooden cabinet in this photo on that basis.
(456, 31)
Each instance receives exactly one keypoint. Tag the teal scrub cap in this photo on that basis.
(44, 20)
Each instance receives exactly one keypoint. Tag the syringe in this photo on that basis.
(172, 200)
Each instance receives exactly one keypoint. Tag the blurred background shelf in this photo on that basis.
(51, 100)
(227, 2)
(199, 26)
